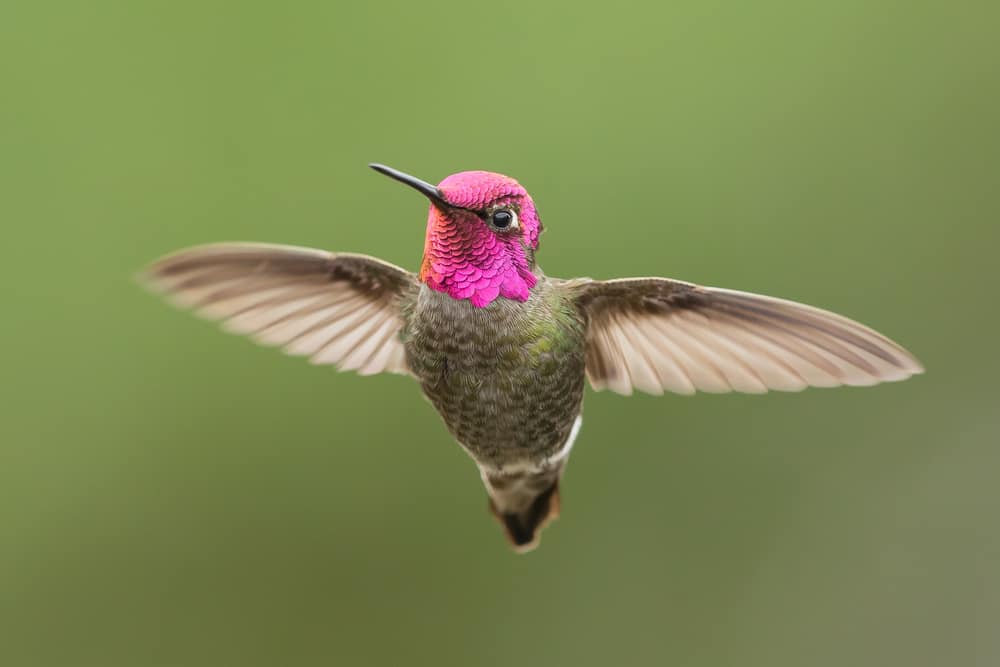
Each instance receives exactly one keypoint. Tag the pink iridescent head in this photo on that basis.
(482, 233)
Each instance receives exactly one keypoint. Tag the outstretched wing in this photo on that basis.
(656, 335)
(335, 308)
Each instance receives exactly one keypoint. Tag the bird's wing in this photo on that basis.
(656, 335)
(335, 308)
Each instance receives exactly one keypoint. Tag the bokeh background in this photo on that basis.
(173, 496)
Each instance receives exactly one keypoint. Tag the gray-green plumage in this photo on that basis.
(507, 379)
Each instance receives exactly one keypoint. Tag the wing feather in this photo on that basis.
(641, 361)
(341, 309)
(725, 357)
(655, 335)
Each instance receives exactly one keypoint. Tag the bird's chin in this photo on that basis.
(466, 260)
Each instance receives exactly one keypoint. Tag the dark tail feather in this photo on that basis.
(524, 504)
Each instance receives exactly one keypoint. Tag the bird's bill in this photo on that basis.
(423, 187)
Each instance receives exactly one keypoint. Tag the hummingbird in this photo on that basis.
(503, 351)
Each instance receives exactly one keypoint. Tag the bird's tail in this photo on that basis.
(523, 503)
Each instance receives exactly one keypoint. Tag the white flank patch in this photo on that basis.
(568, 446)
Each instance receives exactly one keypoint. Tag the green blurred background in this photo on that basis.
(170, 495)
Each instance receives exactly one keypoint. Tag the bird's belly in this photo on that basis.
(508, 393)
(504, 415)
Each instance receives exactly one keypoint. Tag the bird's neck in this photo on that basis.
(468, 261)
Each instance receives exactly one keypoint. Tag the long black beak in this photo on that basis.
(420, 186)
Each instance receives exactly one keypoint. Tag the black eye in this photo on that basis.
(502, 218)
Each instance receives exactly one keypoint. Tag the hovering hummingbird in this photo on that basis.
(501, 349)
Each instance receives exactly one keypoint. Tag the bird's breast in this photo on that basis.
(507, 379)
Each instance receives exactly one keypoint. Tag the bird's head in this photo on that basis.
(482, 234)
